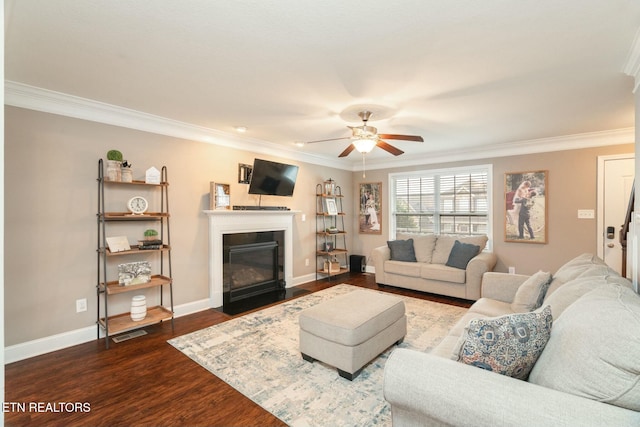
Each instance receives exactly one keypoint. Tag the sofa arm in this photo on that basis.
(480, 264)
(424, 389)
(380, 255)
(501, 286)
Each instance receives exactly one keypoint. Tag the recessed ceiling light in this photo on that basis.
(299, 143)
(241, 129)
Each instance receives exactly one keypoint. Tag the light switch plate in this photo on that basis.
(586, 214)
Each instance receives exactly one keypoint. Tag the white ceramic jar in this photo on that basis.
(138, 308)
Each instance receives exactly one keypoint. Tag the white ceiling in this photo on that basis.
(466, 75)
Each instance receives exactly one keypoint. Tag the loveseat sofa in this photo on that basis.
(587, 373)
(435, 266)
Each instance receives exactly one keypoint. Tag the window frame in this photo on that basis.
(428, 173)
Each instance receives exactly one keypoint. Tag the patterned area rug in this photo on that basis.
(258, 355)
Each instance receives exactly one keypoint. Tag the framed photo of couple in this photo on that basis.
(526, 208)
(370, 217)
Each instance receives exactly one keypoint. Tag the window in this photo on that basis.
(447, 201)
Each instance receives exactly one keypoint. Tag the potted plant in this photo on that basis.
(150, 234)
(114, 163)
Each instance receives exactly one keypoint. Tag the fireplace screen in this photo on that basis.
(251, 269)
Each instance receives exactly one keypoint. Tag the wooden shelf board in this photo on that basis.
(122, 322)
(333, 252)
(325, 233)
(136, 250)
(135, 182)
(335, 273)
(115, 288)
(127, 216)
(330, 195)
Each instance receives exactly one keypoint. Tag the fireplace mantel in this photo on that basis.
(229, 222)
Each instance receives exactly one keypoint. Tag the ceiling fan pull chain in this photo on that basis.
(363, 166)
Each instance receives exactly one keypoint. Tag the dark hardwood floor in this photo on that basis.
(143, 381)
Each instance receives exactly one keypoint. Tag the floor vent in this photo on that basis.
(130, 335)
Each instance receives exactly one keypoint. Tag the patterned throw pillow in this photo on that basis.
(508, 345)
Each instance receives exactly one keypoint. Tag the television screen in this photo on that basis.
(272, 178)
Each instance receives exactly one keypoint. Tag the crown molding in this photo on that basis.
(632, 66)
(48, 101)
(533, 146)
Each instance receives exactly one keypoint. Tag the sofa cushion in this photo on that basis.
(423, 245)
(445, 243)
(508, 345)
(442, 272)
(411, 269)
(569, 293)
(594, 347)
(491, 307)
(461, 254)
(402, 250)
(581, 266)
(530, 294)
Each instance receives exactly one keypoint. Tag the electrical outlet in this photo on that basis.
(306, 262)
(81, 305)
(512, 270)
(303, 217)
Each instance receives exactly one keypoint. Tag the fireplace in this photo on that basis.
(223, 222)
(253, 264)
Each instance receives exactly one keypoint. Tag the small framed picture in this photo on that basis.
(219, 196)
(134, 273)
(332, 207)
(118, 244)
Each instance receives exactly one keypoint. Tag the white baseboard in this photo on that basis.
(25, 350)
(44, 345)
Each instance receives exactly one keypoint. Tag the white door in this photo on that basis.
(615, 175)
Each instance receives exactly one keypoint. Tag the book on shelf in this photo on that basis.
(149, 244)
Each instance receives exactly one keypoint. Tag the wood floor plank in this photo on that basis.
(145, 381)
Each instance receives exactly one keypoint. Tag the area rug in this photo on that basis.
(258, 355)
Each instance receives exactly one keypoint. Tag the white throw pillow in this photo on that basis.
(531, 293)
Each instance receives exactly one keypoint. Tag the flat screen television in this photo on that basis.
(272, 178)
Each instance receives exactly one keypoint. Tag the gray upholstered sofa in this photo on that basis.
(588, 374)
(430, 272)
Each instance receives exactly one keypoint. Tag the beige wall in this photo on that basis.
(572, 186)
(50, 213)
(51, 203)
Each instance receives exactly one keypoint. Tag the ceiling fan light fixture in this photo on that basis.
(364, 145)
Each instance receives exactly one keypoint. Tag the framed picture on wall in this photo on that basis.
(370, 218)
(526, 207)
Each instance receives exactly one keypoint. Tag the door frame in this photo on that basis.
(600, 198)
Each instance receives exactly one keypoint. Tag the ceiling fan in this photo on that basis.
(366, 137)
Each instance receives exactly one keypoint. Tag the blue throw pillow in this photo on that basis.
(402, 250)
(461, 254)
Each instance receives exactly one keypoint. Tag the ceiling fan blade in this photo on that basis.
(402, 137)
(325, 140)
(347, 150)
(390, 148)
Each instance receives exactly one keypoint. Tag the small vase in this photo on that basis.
(138, 308)
(113, 170)
(126, 175)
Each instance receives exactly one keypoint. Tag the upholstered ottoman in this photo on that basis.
(351, 330)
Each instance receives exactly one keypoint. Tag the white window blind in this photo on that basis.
(455, 201)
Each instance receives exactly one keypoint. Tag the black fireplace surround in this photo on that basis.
(253, 264)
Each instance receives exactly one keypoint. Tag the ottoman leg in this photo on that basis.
(308, 358)
(349, 376)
